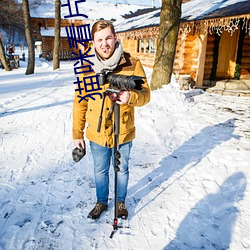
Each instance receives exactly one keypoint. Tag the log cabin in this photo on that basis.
(213, 41)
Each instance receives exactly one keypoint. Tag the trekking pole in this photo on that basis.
(117, 156)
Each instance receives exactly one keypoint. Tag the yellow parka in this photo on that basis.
(89, 111)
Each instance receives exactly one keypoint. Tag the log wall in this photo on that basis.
(245, 60)
(186, 56)
(179, 59)
(209, 57)
(133, 47)
(48, 45)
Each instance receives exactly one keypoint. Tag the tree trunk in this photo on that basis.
(56, 59)
(3, 57)
(29, 38)
(168, 34)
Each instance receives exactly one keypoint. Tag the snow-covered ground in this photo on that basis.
(189, 170)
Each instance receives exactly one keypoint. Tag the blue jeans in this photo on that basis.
(102, 157)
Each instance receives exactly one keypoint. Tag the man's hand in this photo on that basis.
(79, 143)
(123, 97)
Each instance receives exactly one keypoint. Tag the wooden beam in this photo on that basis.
(201, 60)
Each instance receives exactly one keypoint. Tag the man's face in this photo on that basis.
(104, 42)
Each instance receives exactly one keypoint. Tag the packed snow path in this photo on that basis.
(189, 170)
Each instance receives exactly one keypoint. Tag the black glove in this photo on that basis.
(78, 153)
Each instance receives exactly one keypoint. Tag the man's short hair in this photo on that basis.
(100, 25)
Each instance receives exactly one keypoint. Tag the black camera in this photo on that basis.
(120, 81)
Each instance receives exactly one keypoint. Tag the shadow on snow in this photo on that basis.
(23, 110)
(209, 225)
(190, 153)
(212, 228)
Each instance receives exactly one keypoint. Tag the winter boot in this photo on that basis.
(97, 210)
(122, 211)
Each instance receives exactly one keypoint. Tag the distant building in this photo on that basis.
(43, 32)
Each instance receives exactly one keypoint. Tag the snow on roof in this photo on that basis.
(198, 9)
(94, 10)
(145, 20)
(192, 10)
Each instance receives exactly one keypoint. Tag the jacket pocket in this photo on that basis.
(126, 120)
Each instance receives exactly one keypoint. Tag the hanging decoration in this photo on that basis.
(246, 25)
(151, 32)
(218, 25)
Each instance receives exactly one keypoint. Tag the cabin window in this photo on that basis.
(140, 45)
(146, 45)
(152, 45)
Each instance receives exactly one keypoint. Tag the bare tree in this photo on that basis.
(168, 34)
(29, 38)
(3, 57)
(11, 24)
(11, 17)
(56, 59)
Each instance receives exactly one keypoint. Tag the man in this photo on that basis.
(109, 55)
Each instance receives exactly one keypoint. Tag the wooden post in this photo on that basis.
(201, 60)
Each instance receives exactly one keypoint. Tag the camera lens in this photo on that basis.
(113, 96)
